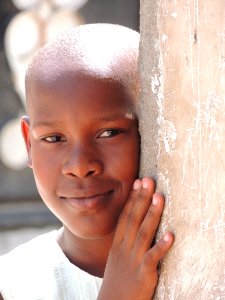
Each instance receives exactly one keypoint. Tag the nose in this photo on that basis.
(82, 163)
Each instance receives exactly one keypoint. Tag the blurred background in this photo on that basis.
(25, 25)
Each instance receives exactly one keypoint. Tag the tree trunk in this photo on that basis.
(182, 123)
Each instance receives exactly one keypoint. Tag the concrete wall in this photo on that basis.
(183, 138)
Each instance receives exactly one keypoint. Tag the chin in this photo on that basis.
(94, 234)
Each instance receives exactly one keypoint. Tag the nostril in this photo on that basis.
(90, 173)
(82, 167)
(71, 174)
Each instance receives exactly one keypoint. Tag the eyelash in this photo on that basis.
(112, 132)
(58, 138)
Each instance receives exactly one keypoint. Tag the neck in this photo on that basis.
(89, 255)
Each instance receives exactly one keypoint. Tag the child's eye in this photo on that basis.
(110, 133)
(54, 139)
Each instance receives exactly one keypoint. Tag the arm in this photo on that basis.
(131, 270)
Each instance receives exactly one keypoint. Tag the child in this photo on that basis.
(82, 140)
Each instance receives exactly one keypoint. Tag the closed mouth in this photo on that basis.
(88, 197)
(88, 202)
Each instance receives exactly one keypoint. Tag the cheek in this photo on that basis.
(130, 159)
(124, 163)
(45, 169)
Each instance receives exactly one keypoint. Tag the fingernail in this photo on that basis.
(154, 201)
(137, 185)
(144, 184)
(166, 238)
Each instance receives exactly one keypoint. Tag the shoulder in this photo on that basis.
(32, 252)
(28, 251)
(23, 267)
(24, 258)
(40, 270)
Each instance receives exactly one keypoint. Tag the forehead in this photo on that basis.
(80, 91)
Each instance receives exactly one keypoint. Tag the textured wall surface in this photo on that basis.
(182, 113)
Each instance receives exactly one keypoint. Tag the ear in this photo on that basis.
(25, 127)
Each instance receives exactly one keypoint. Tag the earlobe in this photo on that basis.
(25, 128)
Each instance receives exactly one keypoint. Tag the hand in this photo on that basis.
(131, 269)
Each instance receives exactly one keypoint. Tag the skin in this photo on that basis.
(79, 152)
(83, 145)
(131, 255)
(82, 140)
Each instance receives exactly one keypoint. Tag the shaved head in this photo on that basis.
(82, 133)
(97, 50)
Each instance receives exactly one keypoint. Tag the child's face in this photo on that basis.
(83, 145)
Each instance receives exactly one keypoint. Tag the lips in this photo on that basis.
(89, 202)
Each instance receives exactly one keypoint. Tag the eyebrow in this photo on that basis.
(127, 116)
(46, 123)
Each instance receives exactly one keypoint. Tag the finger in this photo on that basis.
(157, 252)
(124, 216)
(139, 210)
(149, 225)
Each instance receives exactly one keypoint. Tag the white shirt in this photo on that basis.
(39, 270)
